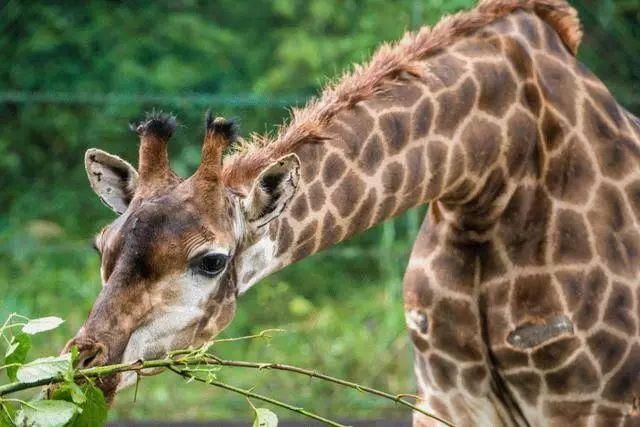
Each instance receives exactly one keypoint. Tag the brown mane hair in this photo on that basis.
(387, 64)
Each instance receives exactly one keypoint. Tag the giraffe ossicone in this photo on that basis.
(522, 296)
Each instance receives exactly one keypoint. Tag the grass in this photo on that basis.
(341, 309)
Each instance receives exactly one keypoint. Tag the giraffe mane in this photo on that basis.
(390, 62)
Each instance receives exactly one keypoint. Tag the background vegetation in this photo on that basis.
(73, 75)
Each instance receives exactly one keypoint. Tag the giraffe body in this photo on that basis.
(523, 303)
(521, 296)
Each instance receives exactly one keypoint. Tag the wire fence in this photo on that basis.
(416, 10)
(238, 100)
(195, 99)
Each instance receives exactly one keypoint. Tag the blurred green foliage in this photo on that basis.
(342, 308)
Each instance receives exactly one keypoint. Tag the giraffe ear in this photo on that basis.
(114, 180)
(272, 190)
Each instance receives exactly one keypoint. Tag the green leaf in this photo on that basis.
(77, 394)
(35, 326)
(265, 418)
(18, 355)
(71, 392)
(7, 414)
(94, 409)
(46, 413)
(45, 367)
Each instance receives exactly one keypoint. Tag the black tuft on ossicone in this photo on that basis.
(156, 123)
(228, 128)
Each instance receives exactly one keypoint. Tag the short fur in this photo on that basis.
(153, 160)
(389, 63)
(219, 134)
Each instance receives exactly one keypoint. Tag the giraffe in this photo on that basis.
(521, 297)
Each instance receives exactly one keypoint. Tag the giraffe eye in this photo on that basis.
(211, 264)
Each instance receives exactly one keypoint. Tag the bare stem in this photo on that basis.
(399, 398)
(248, 393)
(262, 334)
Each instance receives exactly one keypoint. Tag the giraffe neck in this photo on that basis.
(400, 148)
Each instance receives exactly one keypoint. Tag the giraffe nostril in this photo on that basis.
(85, 360)
(91, 355)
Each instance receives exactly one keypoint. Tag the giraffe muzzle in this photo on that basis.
(92, 353)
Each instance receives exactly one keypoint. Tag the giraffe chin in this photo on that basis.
(112, 385)
(109, 387)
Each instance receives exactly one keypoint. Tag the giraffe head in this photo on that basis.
(170, 261)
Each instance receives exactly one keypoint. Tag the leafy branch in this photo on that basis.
(189, 364)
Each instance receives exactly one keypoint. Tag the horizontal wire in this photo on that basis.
(199, 99)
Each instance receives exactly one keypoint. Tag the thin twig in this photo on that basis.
(281, 367)
(247, 393)
(262, 334)
(203, 349)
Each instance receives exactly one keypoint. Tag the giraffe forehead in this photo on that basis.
(159, 237)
